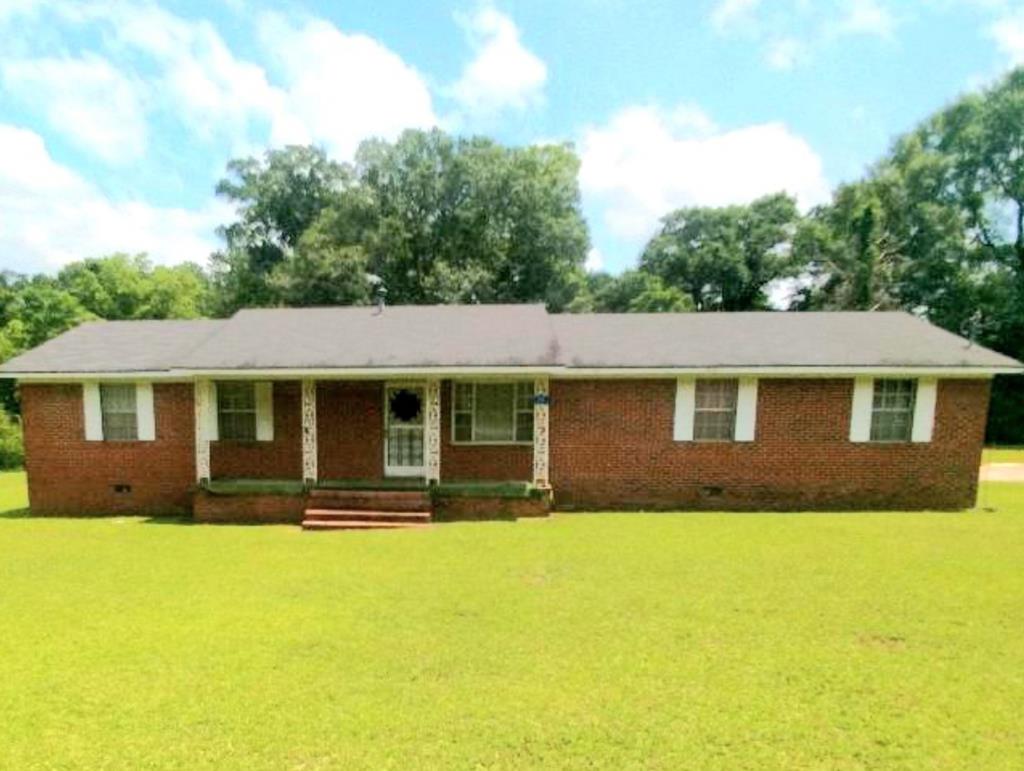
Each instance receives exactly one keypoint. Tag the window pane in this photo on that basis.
(494, 412)
(117, 405)
(236, 396)
(892, 415)
(236, 411)
(716, 394)
(463, 427)
(715, 414)
(238, 426)
(524, 396)
(714, 425)
(524, 426)
(464, 397)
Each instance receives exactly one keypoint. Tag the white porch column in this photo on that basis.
(205, 407)
(540, 433)
(309, 451)
(432, 432)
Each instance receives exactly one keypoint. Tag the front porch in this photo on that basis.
(375, 430)
(365, 504)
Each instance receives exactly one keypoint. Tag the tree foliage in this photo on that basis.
(436, 219)
(725, 258)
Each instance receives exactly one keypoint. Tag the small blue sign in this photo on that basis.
(541, 399)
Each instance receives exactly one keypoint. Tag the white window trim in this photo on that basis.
(492, 442)
(263, 397)
(922, 425)
(745, 426)
(145, 413)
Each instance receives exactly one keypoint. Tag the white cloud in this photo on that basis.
(503, 73)
(728, 14)
(97, 107)
(341, 88)
(783, 54)
(865, 17)
(594, 262)
(50, 216)
(1008, 32)
(644, 163)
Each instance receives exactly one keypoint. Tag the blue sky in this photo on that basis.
(116, 118)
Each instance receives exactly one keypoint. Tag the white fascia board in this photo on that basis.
(555, 371)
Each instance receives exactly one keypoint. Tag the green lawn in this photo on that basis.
(704, 641)
(1003, 455)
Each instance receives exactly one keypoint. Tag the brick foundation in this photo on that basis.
(462, 508)
(240, 509)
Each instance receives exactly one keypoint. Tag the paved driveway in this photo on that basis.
(1002, 472)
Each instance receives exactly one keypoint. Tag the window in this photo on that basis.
(492, 413)
(714, 417)
(236, 411)
(119, 417)
(892, 410)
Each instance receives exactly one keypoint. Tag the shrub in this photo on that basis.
(12, 449)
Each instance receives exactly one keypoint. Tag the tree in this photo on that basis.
(725, 258)
(123, 286)
(937, 228)
(633, 291)
(437, 219)
(278, 198)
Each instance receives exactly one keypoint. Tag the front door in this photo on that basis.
(403, 430)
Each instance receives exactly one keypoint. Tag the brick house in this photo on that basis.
(311, 409)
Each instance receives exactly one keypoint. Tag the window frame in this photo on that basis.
(516, 411)
(697, 409)
(910, 410)
(254, 411)
(134, 412)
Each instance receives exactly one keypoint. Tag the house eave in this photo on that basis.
(559, 371)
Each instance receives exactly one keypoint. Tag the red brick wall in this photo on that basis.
(248, 508)
(463, 462)
(70, 476)
(611, 445)
(350, 430)
(277, 459)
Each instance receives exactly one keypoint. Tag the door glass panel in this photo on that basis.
(404, 428)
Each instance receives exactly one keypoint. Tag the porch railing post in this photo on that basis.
(541, 475)
(432, 432)
(204, 406)
(309, 451)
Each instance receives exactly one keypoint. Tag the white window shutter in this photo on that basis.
(93, 412)
(746, 409)
(924, 410)
(686, 401)
(145, 418)
(265, 412)
(860, 414)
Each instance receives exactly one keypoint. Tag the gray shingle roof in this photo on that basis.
(116, 346)
(764, 339)
(504, 336)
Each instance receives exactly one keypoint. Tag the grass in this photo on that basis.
(1003, 455)
(13, 492)
(704, 641)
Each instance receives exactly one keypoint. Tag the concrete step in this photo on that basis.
(370, 500)
(356, 515)
(358, 524)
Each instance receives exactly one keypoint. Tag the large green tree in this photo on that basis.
(725, 258)
(937, 228)
(277, 197)
(433, 218)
